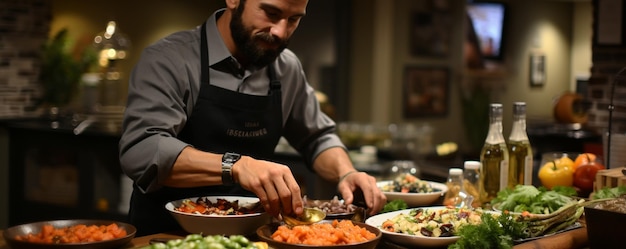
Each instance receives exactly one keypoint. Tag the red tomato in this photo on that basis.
(585, 175)
(584, 158)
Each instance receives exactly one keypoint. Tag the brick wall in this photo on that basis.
(24, 27)
(603, 75)
(607, 61)
(606, 73)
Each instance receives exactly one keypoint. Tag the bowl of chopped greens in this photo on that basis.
(412, 190)
(196, 240)
(528, 198)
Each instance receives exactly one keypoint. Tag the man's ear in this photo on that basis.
(232, 4)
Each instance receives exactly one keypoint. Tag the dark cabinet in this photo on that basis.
(55, 174)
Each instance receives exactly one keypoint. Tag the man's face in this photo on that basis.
(257, 43)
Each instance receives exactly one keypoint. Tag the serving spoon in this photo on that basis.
(308, 216)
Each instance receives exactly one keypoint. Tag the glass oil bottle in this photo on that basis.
(494, 158)
(520, 150)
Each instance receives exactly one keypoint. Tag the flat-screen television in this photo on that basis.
(488, 19)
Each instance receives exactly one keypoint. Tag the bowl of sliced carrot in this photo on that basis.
(73, 234)
(324, 234)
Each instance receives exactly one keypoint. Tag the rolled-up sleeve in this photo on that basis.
(307, 129)
(159, 99)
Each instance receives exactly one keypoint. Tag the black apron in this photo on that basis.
(222, 121)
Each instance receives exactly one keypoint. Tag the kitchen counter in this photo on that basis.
(573, 239)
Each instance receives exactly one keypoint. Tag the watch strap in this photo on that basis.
(228, 160)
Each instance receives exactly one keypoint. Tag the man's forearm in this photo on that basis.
(333, 163)
(195, 168)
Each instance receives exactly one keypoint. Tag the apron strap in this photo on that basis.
(274, 82)
(204, 56)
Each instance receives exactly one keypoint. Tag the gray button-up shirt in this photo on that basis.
(163, 89)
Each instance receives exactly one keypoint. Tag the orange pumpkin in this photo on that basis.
(571, 108)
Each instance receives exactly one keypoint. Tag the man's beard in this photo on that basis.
(246, 42)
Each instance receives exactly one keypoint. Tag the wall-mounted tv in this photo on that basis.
(488, 19)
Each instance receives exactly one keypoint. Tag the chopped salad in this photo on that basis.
(407, 183)
(429, 222)
(204, 206)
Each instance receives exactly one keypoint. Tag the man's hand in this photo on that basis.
(359, 182)
(272, 183)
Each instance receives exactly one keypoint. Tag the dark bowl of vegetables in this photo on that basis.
(335, 208)
(606, 222)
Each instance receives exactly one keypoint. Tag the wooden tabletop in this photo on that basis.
(574, 239)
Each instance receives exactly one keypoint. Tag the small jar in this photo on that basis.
(471, 180)
(455, 186)
(403, 167)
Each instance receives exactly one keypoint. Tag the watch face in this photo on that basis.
(231, 157)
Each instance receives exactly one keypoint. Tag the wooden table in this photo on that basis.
(567, 240)
(574, 239)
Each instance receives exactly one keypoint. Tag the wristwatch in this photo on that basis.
(228, 160)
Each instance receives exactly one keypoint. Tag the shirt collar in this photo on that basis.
(218, 51)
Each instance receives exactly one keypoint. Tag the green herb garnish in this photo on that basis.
(607, 192)
(493, 232)
(394, 205)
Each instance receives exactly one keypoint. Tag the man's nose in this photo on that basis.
(281, 29)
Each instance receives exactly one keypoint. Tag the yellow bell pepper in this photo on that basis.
(557, 173)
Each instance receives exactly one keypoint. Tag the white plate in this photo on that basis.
(407, 239)
(416, 199)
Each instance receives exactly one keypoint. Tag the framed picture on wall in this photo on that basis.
(426, 91)
(429, 29)
(537, 69)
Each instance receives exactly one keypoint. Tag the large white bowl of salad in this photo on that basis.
(412, 190)
(424, 227)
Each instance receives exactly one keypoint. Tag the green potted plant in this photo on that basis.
(60, 71)
(475, 104)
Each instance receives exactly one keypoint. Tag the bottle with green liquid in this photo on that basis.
(494, 158)
(520, 150)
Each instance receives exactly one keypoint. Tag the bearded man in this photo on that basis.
(206, 108)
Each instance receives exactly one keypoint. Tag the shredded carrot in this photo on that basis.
(74, 234)
(332, 233)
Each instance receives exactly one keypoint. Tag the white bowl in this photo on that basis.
(416, 199)
(408, 239)
(214, 224)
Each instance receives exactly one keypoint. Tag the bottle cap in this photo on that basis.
(519, 108)
(495, 109)
(455, 171)
(472, 165)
